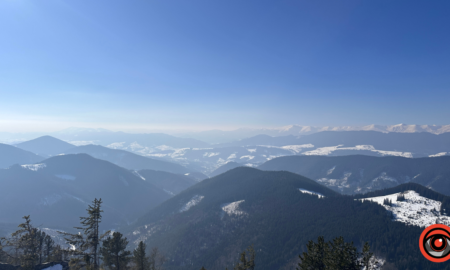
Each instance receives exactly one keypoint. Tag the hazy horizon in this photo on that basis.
(222, 65)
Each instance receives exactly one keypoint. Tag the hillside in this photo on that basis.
(10, 155)
(56, 191)
(359, 174)
(228, 166)
(169, 182)
(128, 160)
(45, 146)
(211, 222)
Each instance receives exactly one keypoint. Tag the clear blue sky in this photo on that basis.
(222, 64)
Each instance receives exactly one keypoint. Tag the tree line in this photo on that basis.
(90, 250)
(87, 249)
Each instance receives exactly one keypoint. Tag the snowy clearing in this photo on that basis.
(34, 167)
(233, 208)
(310, 192)
(415, 210)
(193, 202)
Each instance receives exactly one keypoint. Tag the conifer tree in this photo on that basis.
(87, 244)
(246, 260)
(27, 242)
(114, 252)
(203, 268)
(48, 247)
(315, 257)
(342, 255)
(40, 241)
(366, 256)
(336, 255)
(156, 259)
(140, 258)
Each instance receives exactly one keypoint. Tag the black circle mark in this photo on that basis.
(425, 239)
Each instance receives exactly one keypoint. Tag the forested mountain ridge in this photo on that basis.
(209, 223)
(58, 188)
(46, 146)
(128, 160)
(359, 174)
(10, 155)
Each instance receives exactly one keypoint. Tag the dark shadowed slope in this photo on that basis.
(169, 182)
(46, 146)
(129, 160)
(357, 174)
(210, 223)
(10, 155)
(57, 190)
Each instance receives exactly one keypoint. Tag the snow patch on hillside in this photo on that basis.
(339, 183)
(395, 153)
(193, 202)
(233, 208)
(34, 167)
(138, 175)
(439, 154)
(311, 192)
(330, 171)
(415, 210)
(297, 148)
(66, 176)
(326, 151)
(322, 151)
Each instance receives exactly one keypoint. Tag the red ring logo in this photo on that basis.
(434, 243)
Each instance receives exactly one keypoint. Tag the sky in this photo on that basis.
(199, 65)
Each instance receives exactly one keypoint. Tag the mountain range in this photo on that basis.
(209, 223)
(10, 155)
(360, 174)
(56, 192)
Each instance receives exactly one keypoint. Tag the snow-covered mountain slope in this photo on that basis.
(414, 210)
(360, 174)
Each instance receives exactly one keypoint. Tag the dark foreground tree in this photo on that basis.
(86, 245)
(336, 255)
(157, 259)
(26, 241)
(246, 260)
(140, 259)
(114, 253)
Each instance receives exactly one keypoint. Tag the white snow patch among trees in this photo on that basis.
(311, 192)
(438, 154)
(138, 175)
(297, 148)
(34, 167)
(233, 208)
(193, 202)
(415, 210)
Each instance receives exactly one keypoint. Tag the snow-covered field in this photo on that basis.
(415, 210)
